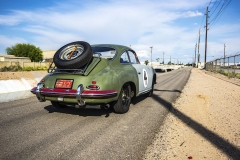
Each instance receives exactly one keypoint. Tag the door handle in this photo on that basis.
(139, 72)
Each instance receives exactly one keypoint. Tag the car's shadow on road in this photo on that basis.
(215, 139)
(84, 112)
(142, 97)
(138, 99)
(175, 90)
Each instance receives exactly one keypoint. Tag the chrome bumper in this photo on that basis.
(38, 94)
(79, 93)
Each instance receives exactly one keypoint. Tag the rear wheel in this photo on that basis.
(124, 100)
(58, 105)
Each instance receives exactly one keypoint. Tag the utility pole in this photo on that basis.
(205, 59)
(195, 54)
(170, 61)
(151, 56)
(163, 58)
(224, 55)
(198, 47)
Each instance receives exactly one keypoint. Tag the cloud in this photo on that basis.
(16, 17)
(6, 41)
(142, 54)
(138, 23)
(191, 14)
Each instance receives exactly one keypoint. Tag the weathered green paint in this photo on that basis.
(109, 75)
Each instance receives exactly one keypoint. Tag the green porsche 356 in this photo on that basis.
(105, 75)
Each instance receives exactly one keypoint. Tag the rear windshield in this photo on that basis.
(104, 52)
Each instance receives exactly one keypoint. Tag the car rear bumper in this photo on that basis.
(78, 93)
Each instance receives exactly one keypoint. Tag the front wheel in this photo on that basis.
(124, 100)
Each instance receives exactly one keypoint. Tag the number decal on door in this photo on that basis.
(145, 78)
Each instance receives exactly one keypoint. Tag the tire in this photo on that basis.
(73, 55)
(124, 100)
(58, 105)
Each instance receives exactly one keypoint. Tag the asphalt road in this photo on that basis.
(33, 130)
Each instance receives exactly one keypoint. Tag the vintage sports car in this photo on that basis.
(105, 75)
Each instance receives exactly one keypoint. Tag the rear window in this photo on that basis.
(104, 52)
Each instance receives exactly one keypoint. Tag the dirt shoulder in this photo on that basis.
(204, 122)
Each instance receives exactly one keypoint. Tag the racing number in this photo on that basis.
(145, 78)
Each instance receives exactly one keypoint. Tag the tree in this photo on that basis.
(146, 62)
(157, 59)
(26, 50)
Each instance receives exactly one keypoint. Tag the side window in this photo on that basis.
(132, 57)
(124, 58)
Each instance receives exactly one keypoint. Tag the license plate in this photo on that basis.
(64, 83)
(60, 98)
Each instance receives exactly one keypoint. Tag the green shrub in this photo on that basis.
(230, 74)
(238, 75)
(19, 68)
(28, 69)
(11, 69)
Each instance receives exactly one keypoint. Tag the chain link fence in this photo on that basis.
(228, 66)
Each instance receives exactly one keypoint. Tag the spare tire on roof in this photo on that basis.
(73, 55)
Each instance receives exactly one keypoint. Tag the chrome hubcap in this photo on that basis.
(71, 52)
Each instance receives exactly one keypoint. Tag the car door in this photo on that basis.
(144, 73)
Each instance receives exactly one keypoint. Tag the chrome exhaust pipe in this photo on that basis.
(107, 106)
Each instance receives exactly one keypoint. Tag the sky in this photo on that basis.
(169, 27)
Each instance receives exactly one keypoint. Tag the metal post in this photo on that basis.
(195, 54)
(198, 46)
(224, 56)
(205, 59)
(151, 56)
(228, 67)
(163, 58)
(216, 66)
(234, 68)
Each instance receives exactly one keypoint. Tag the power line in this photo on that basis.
(215, 8)
(220, 13)
(209, 2)
(202, 22)
(201, 28)
(212, 5)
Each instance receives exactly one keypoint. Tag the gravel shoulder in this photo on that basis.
(204, 122)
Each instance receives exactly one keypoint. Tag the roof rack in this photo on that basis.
(54, 70)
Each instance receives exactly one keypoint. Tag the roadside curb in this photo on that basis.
(24, 82)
